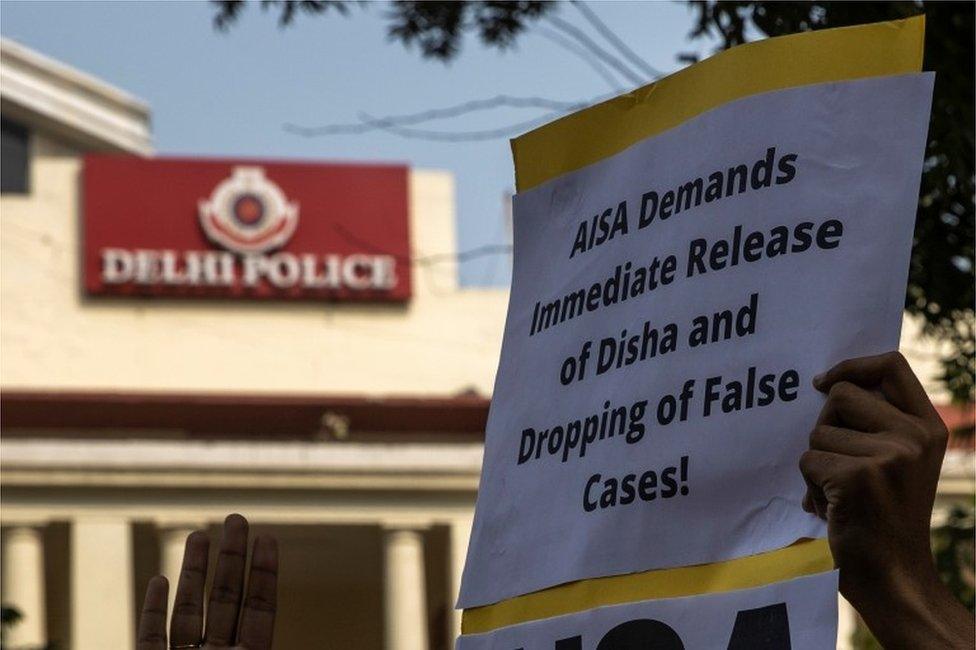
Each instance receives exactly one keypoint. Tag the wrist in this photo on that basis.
(909, 607)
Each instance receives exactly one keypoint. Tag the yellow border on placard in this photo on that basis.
(803, 558)
(839, 54)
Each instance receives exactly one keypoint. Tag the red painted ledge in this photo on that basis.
(201, 414)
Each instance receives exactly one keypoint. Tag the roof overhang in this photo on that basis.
(49, 95)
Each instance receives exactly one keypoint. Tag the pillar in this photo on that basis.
(23, 578)
(460, 533)
(172, 542)
(846, 623)
(102, 602)
(405, 613)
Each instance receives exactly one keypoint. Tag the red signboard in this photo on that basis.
(245, 229)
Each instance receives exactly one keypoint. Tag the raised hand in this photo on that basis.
(872, 472)
(234, 620)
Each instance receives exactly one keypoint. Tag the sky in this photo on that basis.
(231, 93)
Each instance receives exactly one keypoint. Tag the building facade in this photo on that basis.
(349, 429)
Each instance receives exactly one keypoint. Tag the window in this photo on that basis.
(14, 158)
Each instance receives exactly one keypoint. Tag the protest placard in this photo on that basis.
(676, 286)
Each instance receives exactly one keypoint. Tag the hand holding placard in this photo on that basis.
(872, 470)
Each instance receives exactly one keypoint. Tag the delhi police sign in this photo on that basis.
(245, 229)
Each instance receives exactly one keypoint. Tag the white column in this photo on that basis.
(404, 589)
(846, 623)
(102, 603)
(460, 532)
(172, 541)
(23, 579)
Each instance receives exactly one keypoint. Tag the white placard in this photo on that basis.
(799, 614)
(668, 413)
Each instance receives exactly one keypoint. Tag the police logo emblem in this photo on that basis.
(248, 213)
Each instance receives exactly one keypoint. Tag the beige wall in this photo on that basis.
(444, 341)
(923, 353)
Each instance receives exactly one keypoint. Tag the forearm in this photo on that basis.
(913, 610)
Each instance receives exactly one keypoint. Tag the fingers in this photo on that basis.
(816, 466)
(152, 620)
(186, 626)
(258, 615)
(890, 373)
(845, 445)
(228, 583)
(856, 408)
(849, 442)
(814, 500)
(818, 469)
(808, 501)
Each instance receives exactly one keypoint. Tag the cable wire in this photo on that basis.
(569, 45)
(407, 119)
(614, 40)
(592, 46)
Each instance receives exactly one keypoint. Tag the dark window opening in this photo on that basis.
(14, 158)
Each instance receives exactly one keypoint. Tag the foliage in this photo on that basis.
(941, 283)
(436, 27)
(953, 546)
(228, 11)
